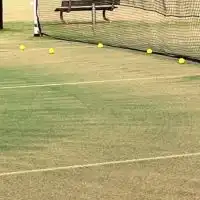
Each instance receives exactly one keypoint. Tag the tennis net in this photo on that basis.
(170, 27)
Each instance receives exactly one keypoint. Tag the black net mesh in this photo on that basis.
(167, 26)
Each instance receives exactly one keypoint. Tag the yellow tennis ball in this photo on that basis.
(51, 51)
(149, 51)
(22, 47)
(100, 45)
(181, 60)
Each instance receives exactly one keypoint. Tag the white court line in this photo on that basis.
(93, 82)
(70, 46)
(101, 164)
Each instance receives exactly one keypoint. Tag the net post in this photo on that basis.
(36, 31)
(1, 14)
(93, 14)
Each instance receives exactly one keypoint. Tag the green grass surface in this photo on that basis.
(55, 126)
(66, 125)
(192, 78)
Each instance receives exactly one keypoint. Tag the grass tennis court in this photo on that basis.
(112, 109)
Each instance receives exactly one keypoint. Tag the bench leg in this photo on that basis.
(61, 17)
(104, 16)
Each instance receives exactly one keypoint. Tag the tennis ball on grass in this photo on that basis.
(100, 45)
(181, 60)
(22, 47)
(51, 51)
(149, 51)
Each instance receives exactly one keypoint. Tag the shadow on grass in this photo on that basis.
(17, 30)
(172, 39)
(166, 38)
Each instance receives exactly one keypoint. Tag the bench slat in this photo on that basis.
(65, 3)
(84, 8)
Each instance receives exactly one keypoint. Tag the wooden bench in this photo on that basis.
(68, 6)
